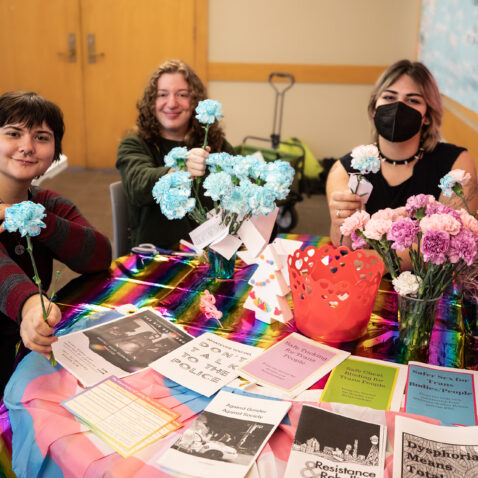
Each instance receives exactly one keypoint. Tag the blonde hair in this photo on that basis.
(422, 76)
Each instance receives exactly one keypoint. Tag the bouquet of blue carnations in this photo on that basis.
(238, 186)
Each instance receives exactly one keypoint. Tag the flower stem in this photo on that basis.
(36, 279)
(206, 129)
(462, 197)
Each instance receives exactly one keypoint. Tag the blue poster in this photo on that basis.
(449, 47)
(447, 395)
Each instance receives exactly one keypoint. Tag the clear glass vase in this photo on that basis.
(415, 323)
(469, 310)
(219, 266)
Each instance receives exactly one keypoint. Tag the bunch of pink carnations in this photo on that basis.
(442, 243)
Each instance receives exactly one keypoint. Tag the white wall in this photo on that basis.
(330, 118)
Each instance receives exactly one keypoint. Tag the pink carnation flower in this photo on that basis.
(386, 214)
(390, 214)
(399, 212)
(460, 176)
(439, 208)
(468, 221)
(435, 246)
(356, 221)
(441, 222)
(403, 233)
(414, 203)
(376, 228)
(358, 242)
(463, 246)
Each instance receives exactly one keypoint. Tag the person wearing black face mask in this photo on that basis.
(406, 111)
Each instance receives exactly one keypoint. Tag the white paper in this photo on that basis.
(205, 364)
(256, 231)
(423, 449)
(364, 188)
(125, 418)
(119, 347)
(327, 444)
(209, 231)
(226, 246)
(226, 438)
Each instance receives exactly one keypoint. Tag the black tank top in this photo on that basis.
(427, 173)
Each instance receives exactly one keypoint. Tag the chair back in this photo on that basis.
(119, 209)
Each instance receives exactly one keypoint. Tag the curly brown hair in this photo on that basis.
(149, 126)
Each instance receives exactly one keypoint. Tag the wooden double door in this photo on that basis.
(93, 58)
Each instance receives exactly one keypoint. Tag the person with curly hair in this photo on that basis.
(165, 120)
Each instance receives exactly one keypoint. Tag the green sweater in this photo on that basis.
(141, 164)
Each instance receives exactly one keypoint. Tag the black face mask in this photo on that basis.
(397, 121)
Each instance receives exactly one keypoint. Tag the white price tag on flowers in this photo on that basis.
(363, 188)
(209, 231)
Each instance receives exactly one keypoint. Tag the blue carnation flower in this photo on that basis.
(176, 205)
(172, 192)
(447, 183)
(220, 162)
(217, 185)
(208, 111)
(279, 176)
(366, 159)
(261, 199)
(176, 158)
(248, 166)
(236, 201)
(25, 217)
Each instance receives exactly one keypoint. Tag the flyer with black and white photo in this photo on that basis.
(331, 445)
(424, 449)
(119, 347)
(226, 437)
(205, 364)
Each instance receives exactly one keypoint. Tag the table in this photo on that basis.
(49, 442)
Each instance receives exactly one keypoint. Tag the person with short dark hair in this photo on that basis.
(166, 119)
(405, 110)
(31, 131)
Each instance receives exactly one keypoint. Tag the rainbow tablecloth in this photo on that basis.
(48, 441)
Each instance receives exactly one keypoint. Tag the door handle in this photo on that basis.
(91, 43)
(71, 54)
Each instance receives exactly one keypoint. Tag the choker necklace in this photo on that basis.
(398, 162)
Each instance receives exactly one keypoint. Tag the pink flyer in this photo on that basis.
(293, 364)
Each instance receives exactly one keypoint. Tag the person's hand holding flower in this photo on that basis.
(38, 321)
(196, 161)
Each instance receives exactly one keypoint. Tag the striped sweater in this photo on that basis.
(68, 237)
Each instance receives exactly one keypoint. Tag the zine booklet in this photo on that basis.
(423, 449)
(293, 364)
(205, 364)
(226, 438)
(125, 418)
(366, 382)
(447, 394)
(119, 347)
(331, 445)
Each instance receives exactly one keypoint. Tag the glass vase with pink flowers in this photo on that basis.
(442, 244)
